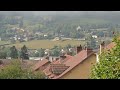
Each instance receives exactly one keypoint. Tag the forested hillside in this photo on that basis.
(23, 26)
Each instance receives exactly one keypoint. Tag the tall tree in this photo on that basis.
(3, 55)
(108, 66)
(24, 52)
(13, 52)
(91, 42)
(41, 52)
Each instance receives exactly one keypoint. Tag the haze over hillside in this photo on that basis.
(62, 12)
(107, 15)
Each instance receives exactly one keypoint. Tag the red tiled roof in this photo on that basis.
(74, 61)
(110, 46)
(40, 64)
(68, 57)
(68, 65)
(58, 68)
(58, 61)
(48, 72)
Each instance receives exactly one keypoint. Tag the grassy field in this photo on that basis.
(37, 44)
(4, 42)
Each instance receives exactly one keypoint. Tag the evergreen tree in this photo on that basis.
(13, 52)
(3, 55)
(41, 52)
(24, 52)
(91, 42)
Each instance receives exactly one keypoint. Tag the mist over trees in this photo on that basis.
(97, 14)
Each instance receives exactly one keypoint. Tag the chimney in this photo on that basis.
(62, 57)
(61, 60)
(56, 59)
(79, 48)
(47, 57)
(69, 53)
(88, 50)
(50, 59)
(102, 45)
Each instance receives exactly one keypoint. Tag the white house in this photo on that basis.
(22, 30)
(45, 35)
(78, 28)
(94, 36)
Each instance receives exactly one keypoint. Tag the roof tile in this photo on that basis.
(59, 69)
(40, 64)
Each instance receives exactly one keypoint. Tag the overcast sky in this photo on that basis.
(60, 12)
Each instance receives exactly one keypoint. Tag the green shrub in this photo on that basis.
(15, 71)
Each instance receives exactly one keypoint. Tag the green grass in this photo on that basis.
(37, 44)
(4, 42)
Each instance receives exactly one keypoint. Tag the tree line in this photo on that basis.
(14, 53)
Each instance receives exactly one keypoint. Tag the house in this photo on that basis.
(45, 35)
(22, 30)
(100, 29)
(56, 39)
(26, 39)
(39, 33)
(94, 36)
(42, 64)
(79, 66)
(78, 28)
(72, 67)
(81, 39)
(15, 38)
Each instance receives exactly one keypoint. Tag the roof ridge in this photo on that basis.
(70, 68)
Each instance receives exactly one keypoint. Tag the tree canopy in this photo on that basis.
(15, 71)
(24, 52)
(13, 52)
(108, 66)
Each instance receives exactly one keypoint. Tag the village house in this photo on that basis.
(72, 67)
(94, 36)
